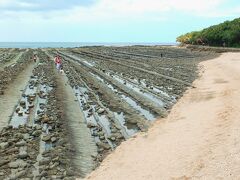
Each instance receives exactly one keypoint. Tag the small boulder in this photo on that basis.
(4, 145)
(3, 162)
(17, 109)
(101, 111)
(103, 145)
(20, 113)
(113, 138)
(37, 133)
(17, 164)
(21, 143)
(23, 154)
(31, 105)
(91, 125)
(22, 103)
(46, 138)
(44, 161)
(53, 139)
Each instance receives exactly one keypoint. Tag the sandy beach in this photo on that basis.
(198, 140)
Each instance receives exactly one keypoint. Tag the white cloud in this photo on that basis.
(233, 12)
(105, 10)
(195, 6)
(26, 5)
(145, 9)
(116, 10)
(107, 20)
(5, 3)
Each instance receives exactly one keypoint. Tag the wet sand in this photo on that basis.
(198, 140)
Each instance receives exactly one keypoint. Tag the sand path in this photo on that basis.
(200, 139)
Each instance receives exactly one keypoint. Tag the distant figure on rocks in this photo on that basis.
(35, 58)
(61, 70)
(161, 55)
(224, 44)
(58, 62)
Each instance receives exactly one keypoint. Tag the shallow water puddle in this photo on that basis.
(88, 63)
(91, 117)
(128, 84)
(33, 103)
(138, 90)
(120, 117)
(40, 108)
(105, 122)
(91, 64)
(23, 110)
(120, 120)
(148, 115)
(143, 82)
(159, 91)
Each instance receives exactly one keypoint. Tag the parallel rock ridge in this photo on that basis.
(65, 123)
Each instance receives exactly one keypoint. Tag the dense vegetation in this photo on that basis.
(224, 34)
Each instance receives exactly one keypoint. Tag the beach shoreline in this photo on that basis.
(102, 97)
(199, 139)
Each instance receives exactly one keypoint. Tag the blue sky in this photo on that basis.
(109, 20)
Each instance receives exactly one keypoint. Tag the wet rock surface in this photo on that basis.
(9, 73)
(118, 91)
(38, 147)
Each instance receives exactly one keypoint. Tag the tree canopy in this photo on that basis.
(224, 34)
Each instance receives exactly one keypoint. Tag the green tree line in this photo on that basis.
(224, 34)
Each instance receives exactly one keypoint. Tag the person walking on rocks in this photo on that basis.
(58, 62)
(35, 58)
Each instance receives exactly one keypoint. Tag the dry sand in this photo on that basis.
(200, 139)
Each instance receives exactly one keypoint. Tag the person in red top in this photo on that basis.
(58, 62)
